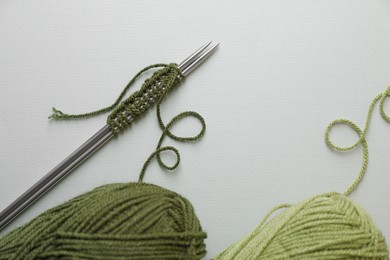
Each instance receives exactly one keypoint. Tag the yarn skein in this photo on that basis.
(117, 221)
(326, 226)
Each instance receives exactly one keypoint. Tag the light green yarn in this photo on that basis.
(326, 226)
(361, 133)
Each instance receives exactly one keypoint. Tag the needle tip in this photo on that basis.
(197, 58)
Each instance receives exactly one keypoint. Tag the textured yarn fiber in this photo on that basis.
(116, 221)
(326, 226)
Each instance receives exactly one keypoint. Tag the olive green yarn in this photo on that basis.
(115, 221)
(326, 226)
(124, 220)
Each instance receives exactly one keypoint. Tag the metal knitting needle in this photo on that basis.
(86, 150)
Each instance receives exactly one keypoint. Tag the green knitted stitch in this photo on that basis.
(326, 226)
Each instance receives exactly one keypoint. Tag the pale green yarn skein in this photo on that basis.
(326, 226)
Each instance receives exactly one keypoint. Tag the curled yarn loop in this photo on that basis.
(167, 132)
(115, 221)
(361, 133)
(326, 226)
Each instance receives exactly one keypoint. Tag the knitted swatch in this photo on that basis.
(152, 91)
(326, 226)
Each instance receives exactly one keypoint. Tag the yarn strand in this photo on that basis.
(361, 133)
(166, 132)
(60, 115)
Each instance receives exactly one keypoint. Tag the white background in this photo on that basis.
(283, 71)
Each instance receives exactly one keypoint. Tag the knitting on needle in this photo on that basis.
(120, 120)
